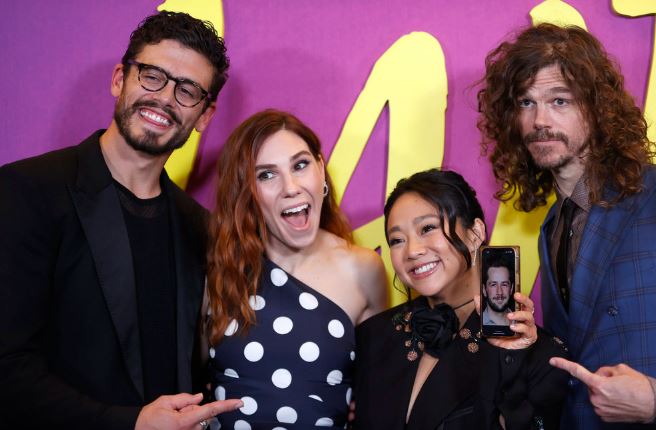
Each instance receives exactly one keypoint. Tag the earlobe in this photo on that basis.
(203, 121)
(477, 234)
(118, 78)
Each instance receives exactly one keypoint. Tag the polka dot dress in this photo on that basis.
(293, 369)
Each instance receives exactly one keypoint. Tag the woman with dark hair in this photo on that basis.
(424, 364)
(286, 284)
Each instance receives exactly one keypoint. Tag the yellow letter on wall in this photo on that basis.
(635, 8)
(411, 78)
(181, 162)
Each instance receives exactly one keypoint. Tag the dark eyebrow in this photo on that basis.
(299, 154)
(415, 221)
(421, 218)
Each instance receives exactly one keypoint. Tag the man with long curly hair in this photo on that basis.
(555, 117)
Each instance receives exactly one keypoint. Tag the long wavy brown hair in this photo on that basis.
(238, 232)
(618, 144)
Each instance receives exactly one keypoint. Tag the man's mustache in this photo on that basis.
(544, 135)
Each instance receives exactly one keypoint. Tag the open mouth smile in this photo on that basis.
(424, 269)
(297, 216)
(155, 118)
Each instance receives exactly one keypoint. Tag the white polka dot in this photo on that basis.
(309, 351)
(254, 351)
(220, 393)
(324, 422)
(242, 425)
(212, 352)
(278, 277)
(308, 301)
(282, 325)
(286, 415)
(336, 328)
(250, 406)
(279, 428)
(281, 378)
(232, 373)
(257, 302)
(334, 377)
(315, 397)
(352, 355)
(349, 393)
(232, 328)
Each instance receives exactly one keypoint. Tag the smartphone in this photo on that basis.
(499, 277)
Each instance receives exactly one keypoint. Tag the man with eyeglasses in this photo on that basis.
(102, 256)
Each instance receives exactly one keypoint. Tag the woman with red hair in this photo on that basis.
(286, 283)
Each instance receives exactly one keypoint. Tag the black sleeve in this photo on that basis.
(530, 392)
(31, 396)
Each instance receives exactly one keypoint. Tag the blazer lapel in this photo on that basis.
(556, 319)
(453, 380)
(189, 282)
(596, 252)
(99, 211)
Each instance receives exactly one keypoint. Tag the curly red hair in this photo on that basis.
(618, 144)
(237, 227)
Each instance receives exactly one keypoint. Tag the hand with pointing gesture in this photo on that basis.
(617, 393)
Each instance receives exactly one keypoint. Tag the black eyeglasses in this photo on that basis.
(187, 92)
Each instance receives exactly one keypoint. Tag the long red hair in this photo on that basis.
(237, 227)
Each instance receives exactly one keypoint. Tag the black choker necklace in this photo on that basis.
(431, 329)
(464, 304)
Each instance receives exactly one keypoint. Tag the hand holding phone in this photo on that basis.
(499, 281)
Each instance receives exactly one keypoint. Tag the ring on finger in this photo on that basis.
(204, 424)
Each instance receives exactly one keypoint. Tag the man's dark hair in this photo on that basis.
(201, 36)
(499, 259)
(618, 144)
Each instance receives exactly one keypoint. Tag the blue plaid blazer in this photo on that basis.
(612, 308)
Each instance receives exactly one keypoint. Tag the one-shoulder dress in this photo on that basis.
(293, 369)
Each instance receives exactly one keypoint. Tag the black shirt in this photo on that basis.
(149, 232)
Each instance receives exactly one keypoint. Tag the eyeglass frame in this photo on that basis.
(178, 81)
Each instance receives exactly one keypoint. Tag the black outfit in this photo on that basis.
(72, 354)
(470, 386)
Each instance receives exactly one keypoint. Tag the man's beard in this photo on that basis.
(148, 143)
(496, 308)
(544, 135)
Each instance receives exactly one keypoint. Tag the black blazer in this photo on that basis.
(69, 345)
(469, 387)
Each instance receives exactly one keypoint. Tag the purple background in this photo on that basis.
(309, 57)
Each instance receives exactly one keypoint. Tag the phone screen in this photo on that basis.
(499, 281)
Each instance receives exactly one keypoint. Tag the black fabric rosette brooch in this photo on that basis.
(431, 329)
